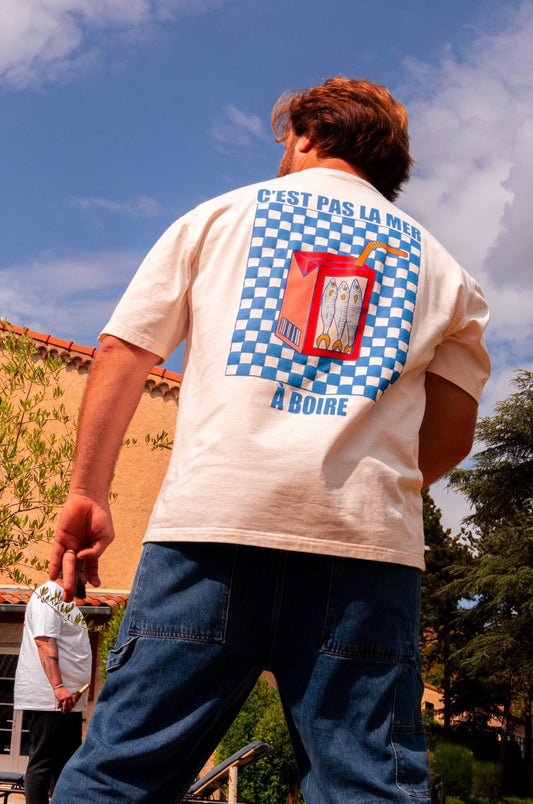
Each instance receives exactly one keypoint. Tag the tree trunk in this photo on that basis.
(506, 726)
(294, 792)
(528, 739)
(446, 683)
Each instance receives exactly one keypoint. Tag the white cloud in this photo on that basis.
(500, 387)
(142, 205)
(453, 505)
(236, 130)
(471, 128)
(65, 296)
(509, 260)
(47, 40)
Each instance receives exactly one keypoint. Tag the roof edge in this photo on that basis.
(76, 354)
(13, 598)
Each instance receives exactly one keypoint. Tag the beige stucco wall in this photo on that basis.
(138, 475)
(432, 700)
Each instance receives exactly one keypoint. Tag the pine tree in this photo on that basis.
(499, 576)
(440, 601)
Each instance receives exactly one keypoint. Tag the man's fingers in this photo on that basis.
(84, 531)
(56, 560)
(90, 566)
(71, 569)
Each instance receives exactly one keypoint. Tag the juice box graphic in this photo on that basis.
(326, 300)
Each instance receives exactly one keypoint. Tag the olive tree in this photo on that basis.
(36, 450)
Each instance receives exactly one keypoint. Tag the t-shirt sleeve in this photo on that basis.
(153, 312)
(46, 621)
(462, 357)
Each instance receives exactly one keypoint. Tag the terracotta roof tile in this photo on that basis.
(84, 350)
(53, 341)
(95, 599)
(75, 353)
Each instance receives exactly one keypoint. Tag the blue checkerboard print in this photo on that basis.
(256, 351)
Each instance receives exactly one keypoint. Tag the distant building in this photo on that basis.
(433, 705)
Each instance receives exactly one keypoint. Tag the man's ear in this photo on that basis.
(304, 144)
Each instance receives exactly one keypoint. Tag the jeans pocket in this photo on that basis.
(182, 591)
(407, 733)
(119, 656)
(372, 610)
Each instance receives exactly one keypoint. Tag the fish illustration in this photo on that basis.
(327, 311)
(341, 312)
(355, 304)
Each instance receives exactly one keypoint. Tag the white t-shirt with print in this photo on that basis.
(312, 308)
(48, 616)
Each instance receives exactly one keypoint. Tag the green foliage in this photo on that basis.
(441, 635)
(513, 800)
(453, 764)
(501, 582)
(486, 780)
(37, 444)
(161, 440)
(36, 450)
(433, 728)
(500, 482)
(497, 655)
(272, 780)
(110, 639)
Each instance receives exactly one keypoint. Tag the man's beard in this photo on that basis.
(287, 161)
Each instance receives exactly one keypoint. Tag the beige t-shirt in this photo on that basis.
(312, 308)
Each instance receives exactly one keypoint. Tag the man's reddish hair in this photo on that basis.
(357, 121)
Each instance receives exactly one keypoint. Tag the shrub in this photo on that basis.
(274, 779)
(454, 765)
(486, 780)
(110, 639)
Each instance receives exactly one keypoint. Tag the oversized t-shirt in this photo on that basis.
(48, 616)
(312, 308)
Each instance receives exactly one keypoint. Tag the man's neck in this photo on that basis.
(312, 159)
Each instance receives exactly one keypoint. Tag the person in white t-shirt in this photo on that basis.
(54, 663)
(333, 366)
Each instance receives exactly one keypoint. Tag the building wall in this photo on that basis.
(138, 476)
(139, 471)
(433, 702)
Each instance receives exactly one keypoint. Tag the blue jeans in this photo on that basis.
(204, 620)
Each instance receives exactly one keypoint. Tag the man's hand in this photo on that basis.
(65, 700)
(84, 531)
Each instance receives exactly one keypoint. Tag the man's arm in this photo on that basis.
(49, 657)
(85, 529)
(447, 432)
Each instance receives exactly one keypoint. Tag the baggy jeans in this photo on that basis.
(204, 620)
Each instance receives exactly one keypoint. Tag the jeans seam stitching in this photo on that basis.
(277, 604)
(228, 594)
(403, 788)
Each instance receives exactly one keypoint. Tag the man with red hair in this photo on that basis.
(333, 369)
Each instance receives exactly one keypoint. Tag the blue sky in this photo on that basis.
(116, 116)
